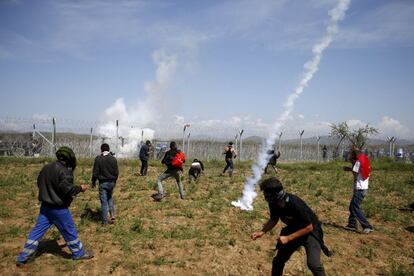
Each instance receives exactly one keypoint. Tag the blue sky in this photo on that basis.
(218, 65)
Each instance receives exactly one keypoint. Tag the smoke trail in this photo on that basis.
(249, 194)
(141, 114)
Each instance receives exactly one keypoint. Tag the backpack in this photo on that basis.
(178, 160)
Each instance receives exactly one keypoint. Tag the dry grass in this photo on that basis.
(204, 234)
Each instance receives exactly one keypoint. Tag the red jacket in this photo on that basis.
(365, 166)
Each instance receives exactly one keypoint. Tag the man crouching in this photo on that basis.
(303, 227)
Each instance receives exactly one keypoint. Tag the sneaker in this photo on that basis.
(29, 259)
(157, 197)
(88, 255)
(351, 228)
(367, 230)
(112, 220)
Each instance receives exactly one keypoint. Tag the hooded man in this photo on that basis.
(172, 171)
(302, 227)
(56, 192)
(361, 170)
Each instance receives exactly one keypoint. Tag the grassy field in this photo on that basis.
(204, 234)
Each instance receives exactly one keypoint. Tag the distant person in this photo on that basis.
(173, 170)
(56, 192)
(144, 155)
(105, 170)
(324, 153)
(197, 167)
(361, 170)
(229, 155)
(302, 228)
(273, 160)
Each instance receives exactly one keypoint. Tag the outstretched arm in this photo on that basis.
(266, 228)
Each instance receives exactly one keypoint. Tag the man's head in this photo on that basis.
(354, 152)
(66, 155)
(273, 191)
(195, 160)
(230, 144)
(148, 143)
(173, 145)
(104, 147)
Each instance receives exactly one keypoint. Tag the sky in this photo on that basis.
(220, 66)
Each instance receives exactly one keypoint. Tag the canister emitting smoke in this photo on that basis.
(249, 193)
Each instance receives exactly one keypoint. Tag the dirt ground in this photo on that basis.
(204, 234)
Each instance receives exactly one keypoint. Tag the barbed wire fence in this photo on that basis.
(42, 136)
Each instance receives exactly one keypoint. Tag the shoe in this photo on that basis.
(29, 259)
(367, 230)
(351, 228)
(112, 220)
(88, 255)
(157, 197)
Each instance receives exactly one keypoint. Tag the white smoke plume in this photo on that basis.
(132, 120)
(249, 193)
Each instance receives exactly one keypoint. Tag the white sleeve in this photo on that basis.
(356, 167)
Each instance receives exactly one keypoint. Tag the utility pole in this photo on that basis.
(188, 144)
(236, 141)
(90, 144)
(185, 127)
(53, 146)
(117, 137)
(301, 146)
(317, 139)
(391, 140)
(280, 141)
(241, 144)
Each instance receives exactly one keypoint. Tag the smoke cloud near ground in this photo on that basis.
(134, 119)
(249, 193)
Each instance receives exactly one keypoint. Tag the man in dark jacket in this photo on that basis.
(229, 155)
(144, 154)
(273, 160)
(303, 227)
(195, 170)
(170, 172)
(56, 192)
(105, 169)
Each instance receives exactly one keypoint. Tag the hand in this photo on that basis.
(283, 239)
(257, 235)
(83, 188)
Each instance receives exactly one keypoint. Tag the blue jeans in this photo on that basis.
(167, 174)
(63, 221)
(355, 212)
(105, 195)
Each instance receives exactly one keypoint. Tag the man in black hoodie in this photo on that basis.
(144, 154)
(172, 171)
(56, 192)
(302, 227)
(105, 169)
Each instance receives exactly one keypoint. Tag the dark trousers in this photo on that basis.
(313, 255)
(355, 212)
(194, 172)
(229, 165)
(144, 167)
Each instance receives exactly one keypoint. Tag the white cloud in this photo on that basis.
(392, 127)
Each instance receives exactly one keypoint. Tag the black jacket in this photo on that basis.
(56, 187)
(105, 168)
(144, 152)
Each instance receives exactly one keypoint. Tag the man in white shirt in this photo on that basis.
(361, 169)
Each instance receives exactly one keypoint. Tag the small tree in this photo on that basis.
(356, 137)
